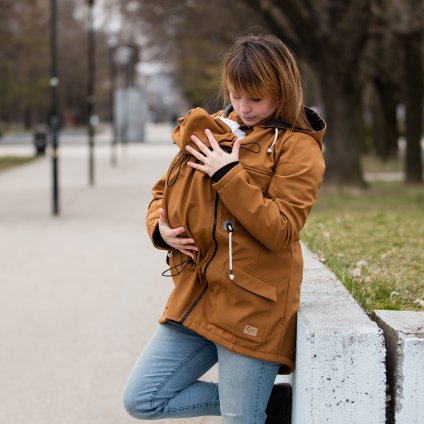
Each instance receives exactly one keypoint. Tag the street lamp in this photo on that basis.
(123, 58)
(112, 42)
(54, 114)
(91, 98)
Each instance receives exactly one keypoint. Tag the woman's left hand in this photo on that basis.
(212, 160)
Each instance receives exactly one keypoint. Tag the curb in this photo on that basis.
(404, 334)
(340, 354)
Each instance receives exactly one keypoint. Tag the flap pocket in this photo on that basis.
(253, 283)
(259, 178)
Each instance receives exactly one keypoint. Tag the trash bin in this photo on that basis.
(40, 139)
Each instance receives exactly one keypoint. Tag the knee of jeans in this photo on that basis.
(242, 415)
(140, 405)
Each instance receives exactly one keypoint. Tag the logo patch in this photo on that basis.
(251, 331)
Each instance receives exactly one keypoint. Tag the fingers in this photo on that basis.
(196, 154)
(214, 144)
(186, 243)
(179, 243)
(196, 166)
(187, 252)
(176, 231)
(186, 246)
(162, 216)
(236, 149)
(200, 145)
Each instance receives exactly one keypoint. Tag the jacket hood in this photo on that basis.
(195, 123)
(197, 120)
(316, 122)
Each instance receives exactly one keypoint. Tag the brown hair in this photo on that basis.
(263, 66)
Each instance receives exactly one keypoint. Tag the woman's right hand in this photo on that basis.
(171, 236)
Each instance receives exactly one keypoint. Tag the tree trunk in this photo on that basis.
(384, 121)
(342, 105)
(414, 91)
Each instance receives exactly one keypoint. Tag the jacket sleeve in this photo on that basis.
(275, 219)
(152, 217)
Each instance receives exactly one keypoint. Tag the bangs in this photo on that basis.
(242, 77)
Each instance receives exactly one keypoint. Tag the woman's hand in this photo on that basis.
(170, 235)
(212, 160)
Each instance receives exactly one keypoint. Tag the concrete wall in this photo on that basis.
(404, 335)
(340, 371)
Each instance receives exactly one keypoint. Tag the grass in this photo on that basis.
(11, 161)
(374, 243)
(371, 163)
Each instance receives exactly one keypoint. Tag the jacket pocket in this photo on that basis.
(244, 304)
(259, 178)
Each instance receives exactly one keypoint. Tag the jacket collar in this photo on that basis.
(316, 122)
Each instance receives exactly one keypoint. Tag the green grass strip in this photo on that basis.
(7, 162)
(374, 243)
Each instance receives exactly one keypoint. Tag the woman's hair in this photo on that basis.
(263, 66)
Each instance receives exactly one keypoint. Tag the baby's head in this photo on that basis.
(263, 67)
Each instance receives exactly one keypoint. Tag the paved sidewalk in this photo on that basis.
(80, 293)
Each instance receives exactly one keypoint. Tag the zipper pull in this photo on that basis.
(229, 227)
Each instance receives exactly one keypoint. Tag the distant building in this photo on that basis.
(164, 100)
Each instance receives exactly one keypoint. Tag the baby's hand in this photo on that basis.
(212, 160)
(184, 245)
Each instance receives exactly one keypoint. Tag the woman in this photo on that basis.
(229, 211)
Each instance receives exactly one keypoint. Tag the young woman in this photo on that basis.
(229, 211)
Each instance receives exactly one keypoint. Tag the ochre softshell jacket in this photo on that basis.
(248, 221)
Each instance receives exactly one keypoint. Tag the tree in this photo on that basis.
(25, 61)
(346, 44)
(192, 36)
(383, 81)
(407, 20)
(330, 36)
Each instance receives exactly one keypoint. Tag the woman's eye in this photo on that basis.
(256, 100)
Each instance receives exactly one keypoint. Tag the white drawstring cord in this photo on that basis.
(229, 226)
(275, 140)
(230, 241)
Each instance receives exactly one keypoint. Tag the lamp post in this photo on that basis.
(123, 57)
(112, 42)
(91, 99)
(54, 114)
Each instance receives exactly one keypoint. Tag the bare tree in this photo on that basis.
(25, 61)
(346, 44)
(407, 21)
(330, 36)
(192, 36)
(383, 82)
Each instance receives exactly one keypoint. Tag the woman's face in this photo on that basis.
(252, 111)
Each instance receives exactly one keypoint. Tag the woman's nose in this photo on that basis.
(245, 106)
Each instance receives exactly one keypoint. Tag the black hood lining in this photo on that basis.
(314, 119)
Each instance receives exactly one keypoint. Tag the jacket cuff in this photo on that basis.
(224, 170)
(158, 240)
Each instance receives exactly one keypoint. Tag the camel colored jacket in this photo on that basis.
(242, 290)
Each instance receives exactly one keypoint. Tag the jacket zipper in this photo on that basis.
(215, 216)
(215, 219)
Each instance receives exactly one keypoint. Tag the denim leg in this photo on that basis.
(245, 386)
(163, 382)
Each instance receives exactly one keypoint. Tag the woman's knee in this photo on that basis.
(141, 405)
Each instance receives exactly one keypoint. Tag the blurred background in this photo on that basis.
(106, 80)
(361, 66)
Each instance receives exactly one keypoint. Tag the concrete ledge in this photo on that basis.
(340, 353)
(404, 335)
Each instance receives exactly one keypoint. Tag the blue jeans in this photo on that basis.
(164, 381)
